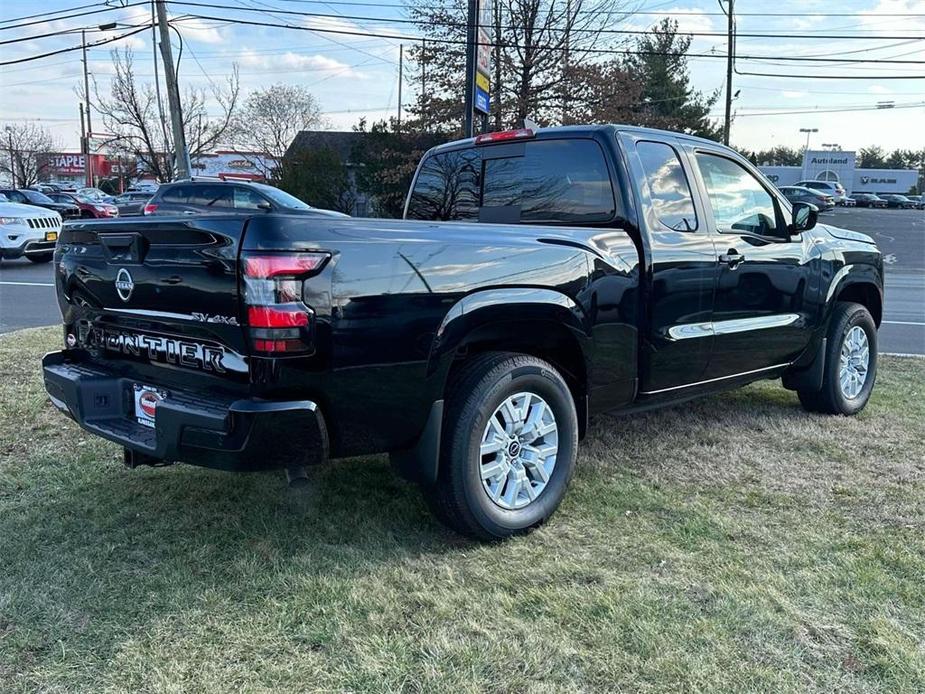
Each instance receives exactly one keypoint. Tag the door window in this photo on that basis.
(669, 190)
(740, 203)
(217, 196)
(555, 181)
(245, 199)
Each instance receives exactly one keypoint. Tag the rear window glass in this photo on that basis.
(447, 187)
(555, 181)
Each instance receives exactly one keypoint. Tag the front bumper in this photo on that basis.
(28, 247)
(210, 430)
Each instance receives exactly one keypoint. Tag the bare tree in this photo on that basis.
(26, 148)
(269, 122)
(131, 118)
(542, 47)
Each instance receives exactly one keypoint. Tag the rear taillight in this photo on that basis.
(150, 208)
(278, 320)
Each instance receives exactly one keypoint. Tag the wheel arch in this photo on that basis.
(543, 323)
(862, 284)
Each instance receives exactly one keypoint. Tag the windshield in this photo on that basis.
(281, 197)
(35, 196)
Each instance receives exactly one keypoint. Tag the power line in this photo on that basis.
(598, 51)
(71, 16)
(48, 14)
(832, 77)
(75, 48)
(802, 15)
(464, 25)
(920, 104)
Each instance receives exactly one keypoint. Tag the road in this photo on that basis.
(27, 297)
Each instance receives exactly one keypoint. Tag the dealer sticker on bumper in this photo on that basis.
(146, 401)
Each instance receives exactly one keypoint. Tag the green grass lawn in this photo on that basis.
(736, 544)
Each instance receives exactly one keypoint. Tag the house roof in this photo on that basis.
(341, 142)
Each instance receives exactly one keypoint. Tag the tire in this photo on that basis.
(850, 397)
(477, 395)
(41, 258)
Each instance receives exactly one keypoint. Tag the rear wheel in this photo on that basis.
(509, 446)
(41, 257)
(850, 363)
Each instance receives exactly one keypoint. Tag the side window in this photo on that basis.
(245, 199)
(177, 195)
(739, 201)
(669, 189)
(218, 196)
(16, 196)
(555, 181)
(447, 187)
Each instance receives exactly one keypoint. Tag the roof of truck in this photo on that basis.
(588, 130)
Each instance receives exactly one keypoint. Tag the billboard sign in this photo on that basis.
(483, 35)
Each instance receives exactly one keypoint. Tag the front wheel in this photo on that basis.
(850, 363)
(510, 441)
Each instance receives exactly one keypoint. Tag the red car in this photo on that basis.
(88, 207)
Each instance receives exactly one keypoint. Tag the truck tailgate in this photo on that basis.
(162, 291)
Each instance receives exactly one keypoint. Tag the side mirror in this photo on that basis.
(265, 206)
(804, 217)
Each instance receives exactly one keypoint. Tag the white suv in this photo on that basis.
(833, 188)
(27, 230)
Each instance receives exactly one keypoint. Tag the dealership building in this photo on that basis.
(840, 166)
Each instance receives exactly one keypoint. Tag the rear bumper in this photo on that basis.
(208, 430)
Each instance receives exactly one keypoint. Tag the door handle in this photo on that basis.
(732, 259)
(188, 212)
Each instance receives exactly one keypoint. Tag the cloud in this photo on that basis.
(199, 30)
(253, 62)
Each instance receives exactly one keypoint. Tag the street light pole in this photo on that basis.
(808, 131)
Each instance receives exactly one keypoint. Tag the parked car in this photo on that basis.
(47, 187)
(849, 202)
(822, 201)
(95, 194)
(131, 204)
(27, 230)
(868, 200)
(833, 188)
(898, 201)
(25, 196)
(221, 197)
(88, 207)
(919, 201)
(621, 268)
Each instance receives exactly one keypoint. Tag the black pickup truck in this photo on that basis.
(538, 278)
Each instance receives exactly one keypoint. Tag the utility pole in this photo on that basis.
(565, 62)
(401, 60)
(730, 56)
(9, 134)
(425, 121)
(84, 149)
(181, 153)
(88, 166)
(157, 79)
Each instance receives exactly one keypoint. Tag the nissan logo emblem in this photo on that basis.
(124, 284)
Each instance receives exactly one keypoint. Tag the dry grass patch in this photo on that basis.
(734, 544)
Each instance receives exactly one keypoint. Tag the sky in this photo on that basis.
(355, 75)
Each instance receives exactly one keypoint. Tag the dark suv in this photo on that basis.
(221, 197)
(26, 196)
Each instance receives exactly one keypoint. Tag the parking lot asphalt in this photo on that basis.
(27, 296)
